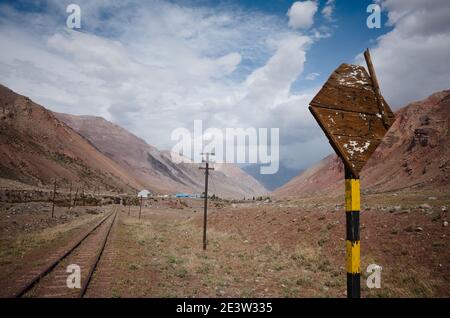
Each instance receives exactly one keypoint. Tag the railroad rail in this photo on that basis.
(86, 252)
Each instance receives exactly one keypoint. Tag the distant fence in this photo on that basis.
(62, 198)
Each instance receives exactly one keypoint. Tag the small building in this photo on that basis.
(144, 193)
(182, 195)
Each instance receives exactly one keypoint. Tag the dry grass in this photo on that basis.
(279, 250)
(167, 261)
(283, 249)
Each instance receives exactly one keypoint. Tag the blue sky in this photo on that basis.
(154, 66)
(350, 36)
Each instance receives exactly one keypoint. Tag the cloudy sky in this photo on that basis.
(154, 66)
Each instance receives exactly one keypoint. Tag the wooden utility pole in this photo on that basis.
(96, 191)
(82, 197)
(205, 204)
(129, 208)
(70, 195)
(75, 198)
(53, 200)
(140, 208)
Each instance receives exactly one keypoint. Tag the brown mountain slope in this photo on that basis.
(133, 154)
(36, 147)
(155, 169)
(415, 153)
(325, 177)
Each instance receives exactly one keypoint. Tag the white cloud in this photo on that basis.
(412, 60)
(311, 76)
(328, 10)
(227, 64)
(301, 14)
(156, 66)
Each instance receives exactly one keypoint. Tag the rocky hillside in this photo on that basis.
(415, 154)
(325, 177)
(36, 148)
(154, 168)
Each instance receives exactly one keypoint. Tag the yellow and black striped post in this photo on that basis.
(352, 207)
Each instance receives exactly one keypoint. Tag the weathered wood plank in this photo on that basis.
(346, 98)
(382, 105)
(357, 148)
(354, 148)
(347, 123)
(350, 75)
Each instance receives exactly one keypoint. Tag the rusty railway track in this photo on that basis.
(86, 251)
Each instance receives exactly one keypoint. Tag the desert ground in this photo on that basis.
(273, 248)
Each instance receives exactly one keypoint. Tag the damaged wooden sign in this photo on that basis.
(352, 113)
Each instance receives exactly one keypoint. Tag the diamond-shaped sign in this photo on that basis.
(353, 114)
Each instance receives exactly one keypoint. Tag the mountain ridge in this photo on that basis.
(39, 146)
(413, 154)
(155, 168)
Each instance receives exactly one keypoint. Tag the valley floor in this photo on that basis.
(285, 248)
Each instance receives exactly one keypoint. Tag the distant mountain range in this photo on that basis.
(414, 154)
(38, 146)
(272, 181)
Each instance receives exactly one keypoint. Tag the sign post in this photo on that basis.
(352, 207)
(355, 117)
